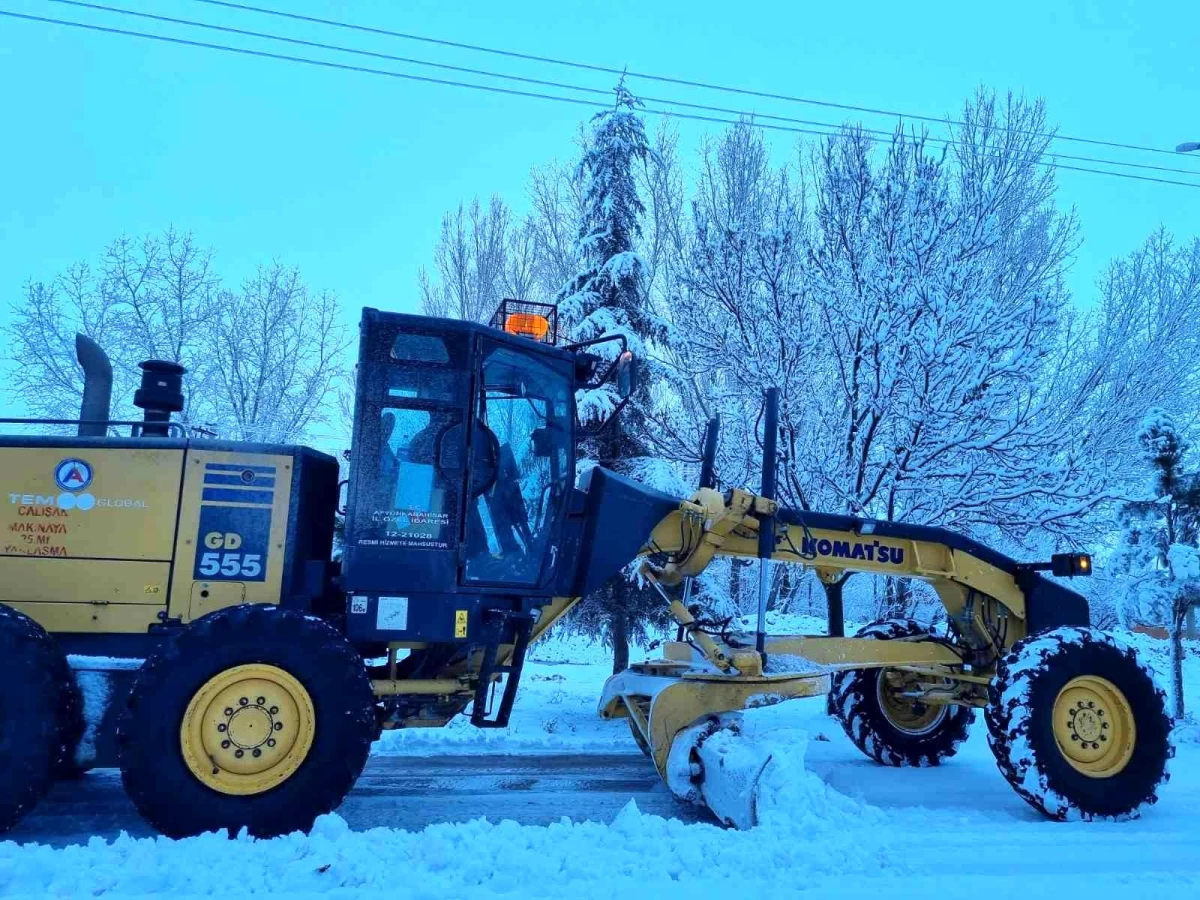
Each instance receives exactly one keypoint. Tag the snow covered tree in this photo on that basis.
(1159, 558)
(1136, 350)
(277, 353)
(481, 257)
(556, 209)
(908, 305)
(1183, 561)
(607, 298)
(741, 320)
(262, 362)
(940, 292)
(734, 295)
(143, 298)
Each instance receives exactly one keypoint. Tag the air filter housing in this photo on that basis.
(160, 394)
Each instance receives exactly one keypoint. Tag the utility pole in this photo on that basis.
(1189, 147)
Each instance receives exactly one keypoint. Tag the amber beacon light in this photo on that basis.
(527, 325)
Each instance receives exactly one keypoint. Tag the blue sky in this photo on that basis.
(347, 175)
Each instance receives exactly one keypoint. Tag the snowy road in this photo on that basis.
(907, 832)
(917, 833)
(406, 792)
(946, 811)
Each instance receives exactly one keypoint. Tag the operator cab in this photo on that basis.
(462, 472)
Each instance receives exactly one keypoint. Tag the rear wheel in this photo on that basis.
(39, 715)
(892, 729)
(254, 717)
(1078, 726)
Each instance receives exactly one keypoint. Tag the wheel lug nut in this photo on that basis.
(1099, 712)
(274, 710)
(243, 701)
(229, 710)
(257, 752)
(270, 742)
(1074, 737)
(1104, 725)
(1104, 737)
(239, 753)
(261, 700)
(224, 745)
(279, 726)
(221, 727)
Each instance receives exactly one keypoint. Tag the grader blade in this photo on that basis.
(713, 764)
(690, 719)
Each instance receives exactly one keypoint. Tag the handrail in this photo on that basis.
(133, 423)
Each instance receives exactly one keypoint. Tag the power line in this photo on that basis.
(565, 86)
(245, 51)
(649, 77)
(298, 59)
(321, 46)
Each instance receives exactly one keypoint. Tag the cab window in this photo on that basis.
(520, 467)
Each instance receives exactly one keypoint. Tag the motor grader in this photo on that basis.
(172, 605)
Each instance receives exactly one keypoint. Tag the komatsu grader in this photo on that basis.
(172, 605)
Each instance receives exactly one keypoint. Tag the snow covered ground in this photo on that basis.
(836, 825)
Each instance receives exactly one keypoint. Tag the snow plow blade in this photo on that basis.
(712, 764)
(689, 723)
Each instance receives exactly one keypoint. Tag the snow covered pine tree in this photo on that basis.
(607, 298)
(1159, 556)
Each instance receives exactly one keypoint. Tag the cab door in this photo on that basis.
(521, 468)
(406, 475)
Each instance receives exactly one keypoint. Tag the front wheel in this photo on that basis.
(254, 717)
(1078, 726)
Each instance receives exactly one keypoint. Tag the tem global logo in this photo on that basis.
(71, 476)
(50, 505)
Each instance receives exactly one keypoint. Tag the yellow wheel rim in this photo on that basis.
(247, 729)
(904, 713)
(1094, 727)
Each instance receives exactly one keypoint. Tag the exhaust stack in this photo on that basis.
(160, 394)
(97, 387)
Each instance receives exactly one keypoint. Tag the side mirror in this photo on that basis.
(627, 375)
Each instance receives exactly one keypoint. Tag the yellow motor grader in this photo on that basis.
(173, 606)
